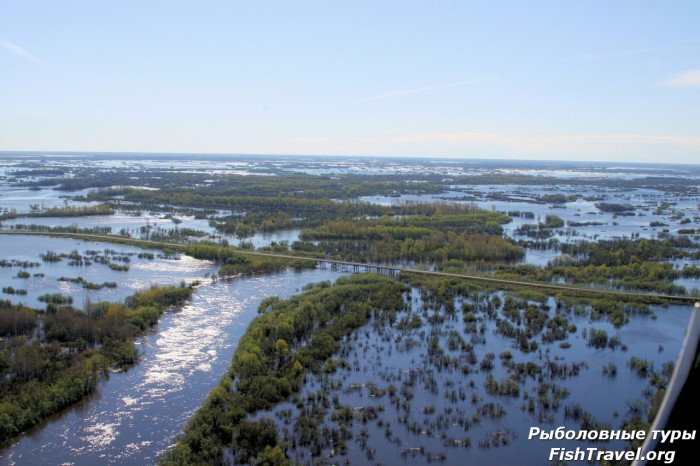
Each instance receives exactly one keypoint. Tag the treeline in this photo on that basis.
(617, 264)
(50, 360)
(39, 172)
(616, 311)
(446, 239)
(647, 276)
(557, 198)
(343, 229)
(62, 229)
(615, 208)
(276, 203)
(88, 285)
(345, 185)
(89, 177)
(257, 209)
(541, 230)
(627, 251)
(69, 211)
(679, 184)
(288, 338)
(441, 249)
(233, 263)
(305, 186)
(411, 225)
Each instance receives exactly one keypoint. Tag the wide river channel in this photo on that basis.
(134, 416)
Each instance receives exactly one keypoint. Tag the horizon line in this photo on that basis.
(361, 156)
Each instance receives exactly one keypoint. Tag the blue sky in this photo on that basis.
(566, 80)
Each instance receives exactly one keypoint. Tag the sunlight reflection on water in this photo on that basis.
(135, 415)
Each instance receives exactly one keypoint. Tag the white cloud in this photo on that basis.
(17, 50)
(687, 79)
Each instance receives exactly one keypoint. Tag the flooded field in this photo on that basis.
(440, 386)
(579, 197)
(458, 381)
(90, 261)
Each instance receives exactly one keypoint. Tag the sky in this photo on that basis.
(599, 80)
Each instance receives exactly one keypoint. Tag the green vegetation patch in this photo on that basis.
(287, 339)
(44, 372)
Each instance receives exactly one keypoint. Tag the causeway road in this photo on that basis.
(496, 282)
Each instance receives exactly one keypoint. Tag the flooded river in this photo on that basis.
(135, 415)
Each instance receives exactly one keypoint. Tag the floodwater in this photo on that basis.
(45, 276)
(441, 404)
(655, 213)
(145, 226)
(602, 225)
(135, 415)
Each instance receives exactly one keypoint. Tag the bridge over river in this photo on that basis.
(387, 269)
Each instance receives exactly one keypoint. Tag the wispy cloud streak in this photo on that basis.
(620, 53)
(633, 52)
(17, 50)
(433, 87)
